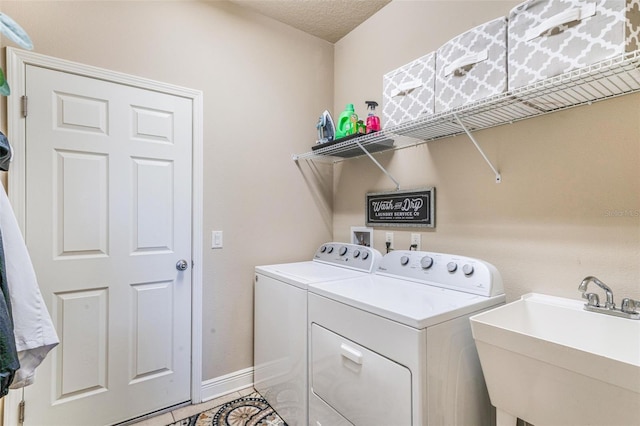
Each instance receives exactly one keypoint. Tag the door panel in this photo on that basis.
(108, 215)
(152, 348)
(83, 362)
(152, 201)
(81, 179)
(79, 113)
(152, 125)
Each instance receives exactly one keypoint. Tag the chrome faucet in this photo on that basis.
(609, 304)
(629, 309)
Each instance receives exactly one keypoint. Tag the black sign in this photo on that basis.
(401, 208)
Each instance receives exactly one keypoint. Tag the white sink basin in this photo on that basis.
(549, 362)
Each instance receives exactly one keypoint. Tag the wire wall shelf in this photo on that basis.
(604, 80)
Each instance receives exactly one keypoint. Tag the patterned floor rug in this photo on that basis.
(252, 410)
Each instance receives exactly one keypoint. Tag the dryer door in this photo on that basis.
(363, 386)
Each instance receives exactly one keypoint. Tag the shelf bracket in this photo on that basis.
(498, 177)
(378, 164)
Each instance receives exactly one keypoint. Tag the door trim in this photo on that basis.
(17, 61)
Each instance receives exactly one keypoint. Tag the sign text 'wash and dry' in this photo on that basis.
(401, 208)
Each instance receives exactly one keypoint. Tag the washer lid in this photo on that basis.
(415, 305)
(301, 274)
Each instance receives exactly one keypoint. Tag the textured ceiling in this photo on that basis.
(328, 19)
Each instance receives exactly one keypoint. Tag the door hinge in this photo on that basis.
(21, 412)
(23, 102)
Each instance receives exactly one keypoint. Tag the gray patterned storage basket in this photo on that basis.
(408, 91)
(550, 37)
(472, 66)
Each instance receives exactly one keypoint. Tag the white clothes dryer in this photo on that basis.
(280, 321)
(395, 347)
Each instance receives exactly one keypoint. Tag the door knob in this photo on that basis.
(181, 265)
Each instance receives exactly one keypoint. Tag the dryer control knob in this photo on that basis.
(452, 266)
(343, 251)
(330, 249)
(404, 260)
(365, 255)
(356, 253)
(323, 249)
(467, 269)
(426, 262)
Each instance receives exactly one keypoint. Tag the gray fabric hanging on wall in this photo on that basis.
(9, 363)
(5, 152)
(8, 356)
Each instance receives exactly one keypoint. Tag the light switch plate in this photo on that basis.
(216, 239)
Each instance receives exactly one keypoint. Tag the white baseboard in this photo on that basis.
(226, 384)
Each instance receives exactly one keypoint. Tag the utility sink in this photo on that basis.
(549, 362)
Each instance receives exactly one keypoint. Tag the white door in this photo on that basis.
(108, 216)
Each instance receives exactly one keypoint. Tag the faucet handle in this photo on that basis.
(592, 299)
(630, 306)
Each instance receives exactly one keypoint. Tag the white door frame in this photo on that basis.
(17, 61)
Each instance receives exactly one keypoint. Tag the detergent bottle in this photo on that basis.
(373, 121)
(344, 127)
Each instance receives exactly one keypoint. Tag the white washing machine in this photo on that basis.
(395, 347)
(280, 321)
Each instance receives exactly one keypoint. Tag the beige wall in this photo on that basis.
(569, 204)
(264, 87)
(545, 227)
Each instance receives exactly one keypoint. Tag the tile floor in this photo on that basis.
(185, 412)
(191, 410)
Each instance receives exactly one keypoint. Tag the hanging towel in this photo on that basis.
(33, 328)
(8, 356)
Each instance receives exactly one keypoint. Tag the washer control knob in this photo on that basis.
(330, 249)
(452, 266)
(323, 249)
(343, 251)
(356, 253)
(426, 262)
(404, 260)
(365, 255)
(467, 269)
